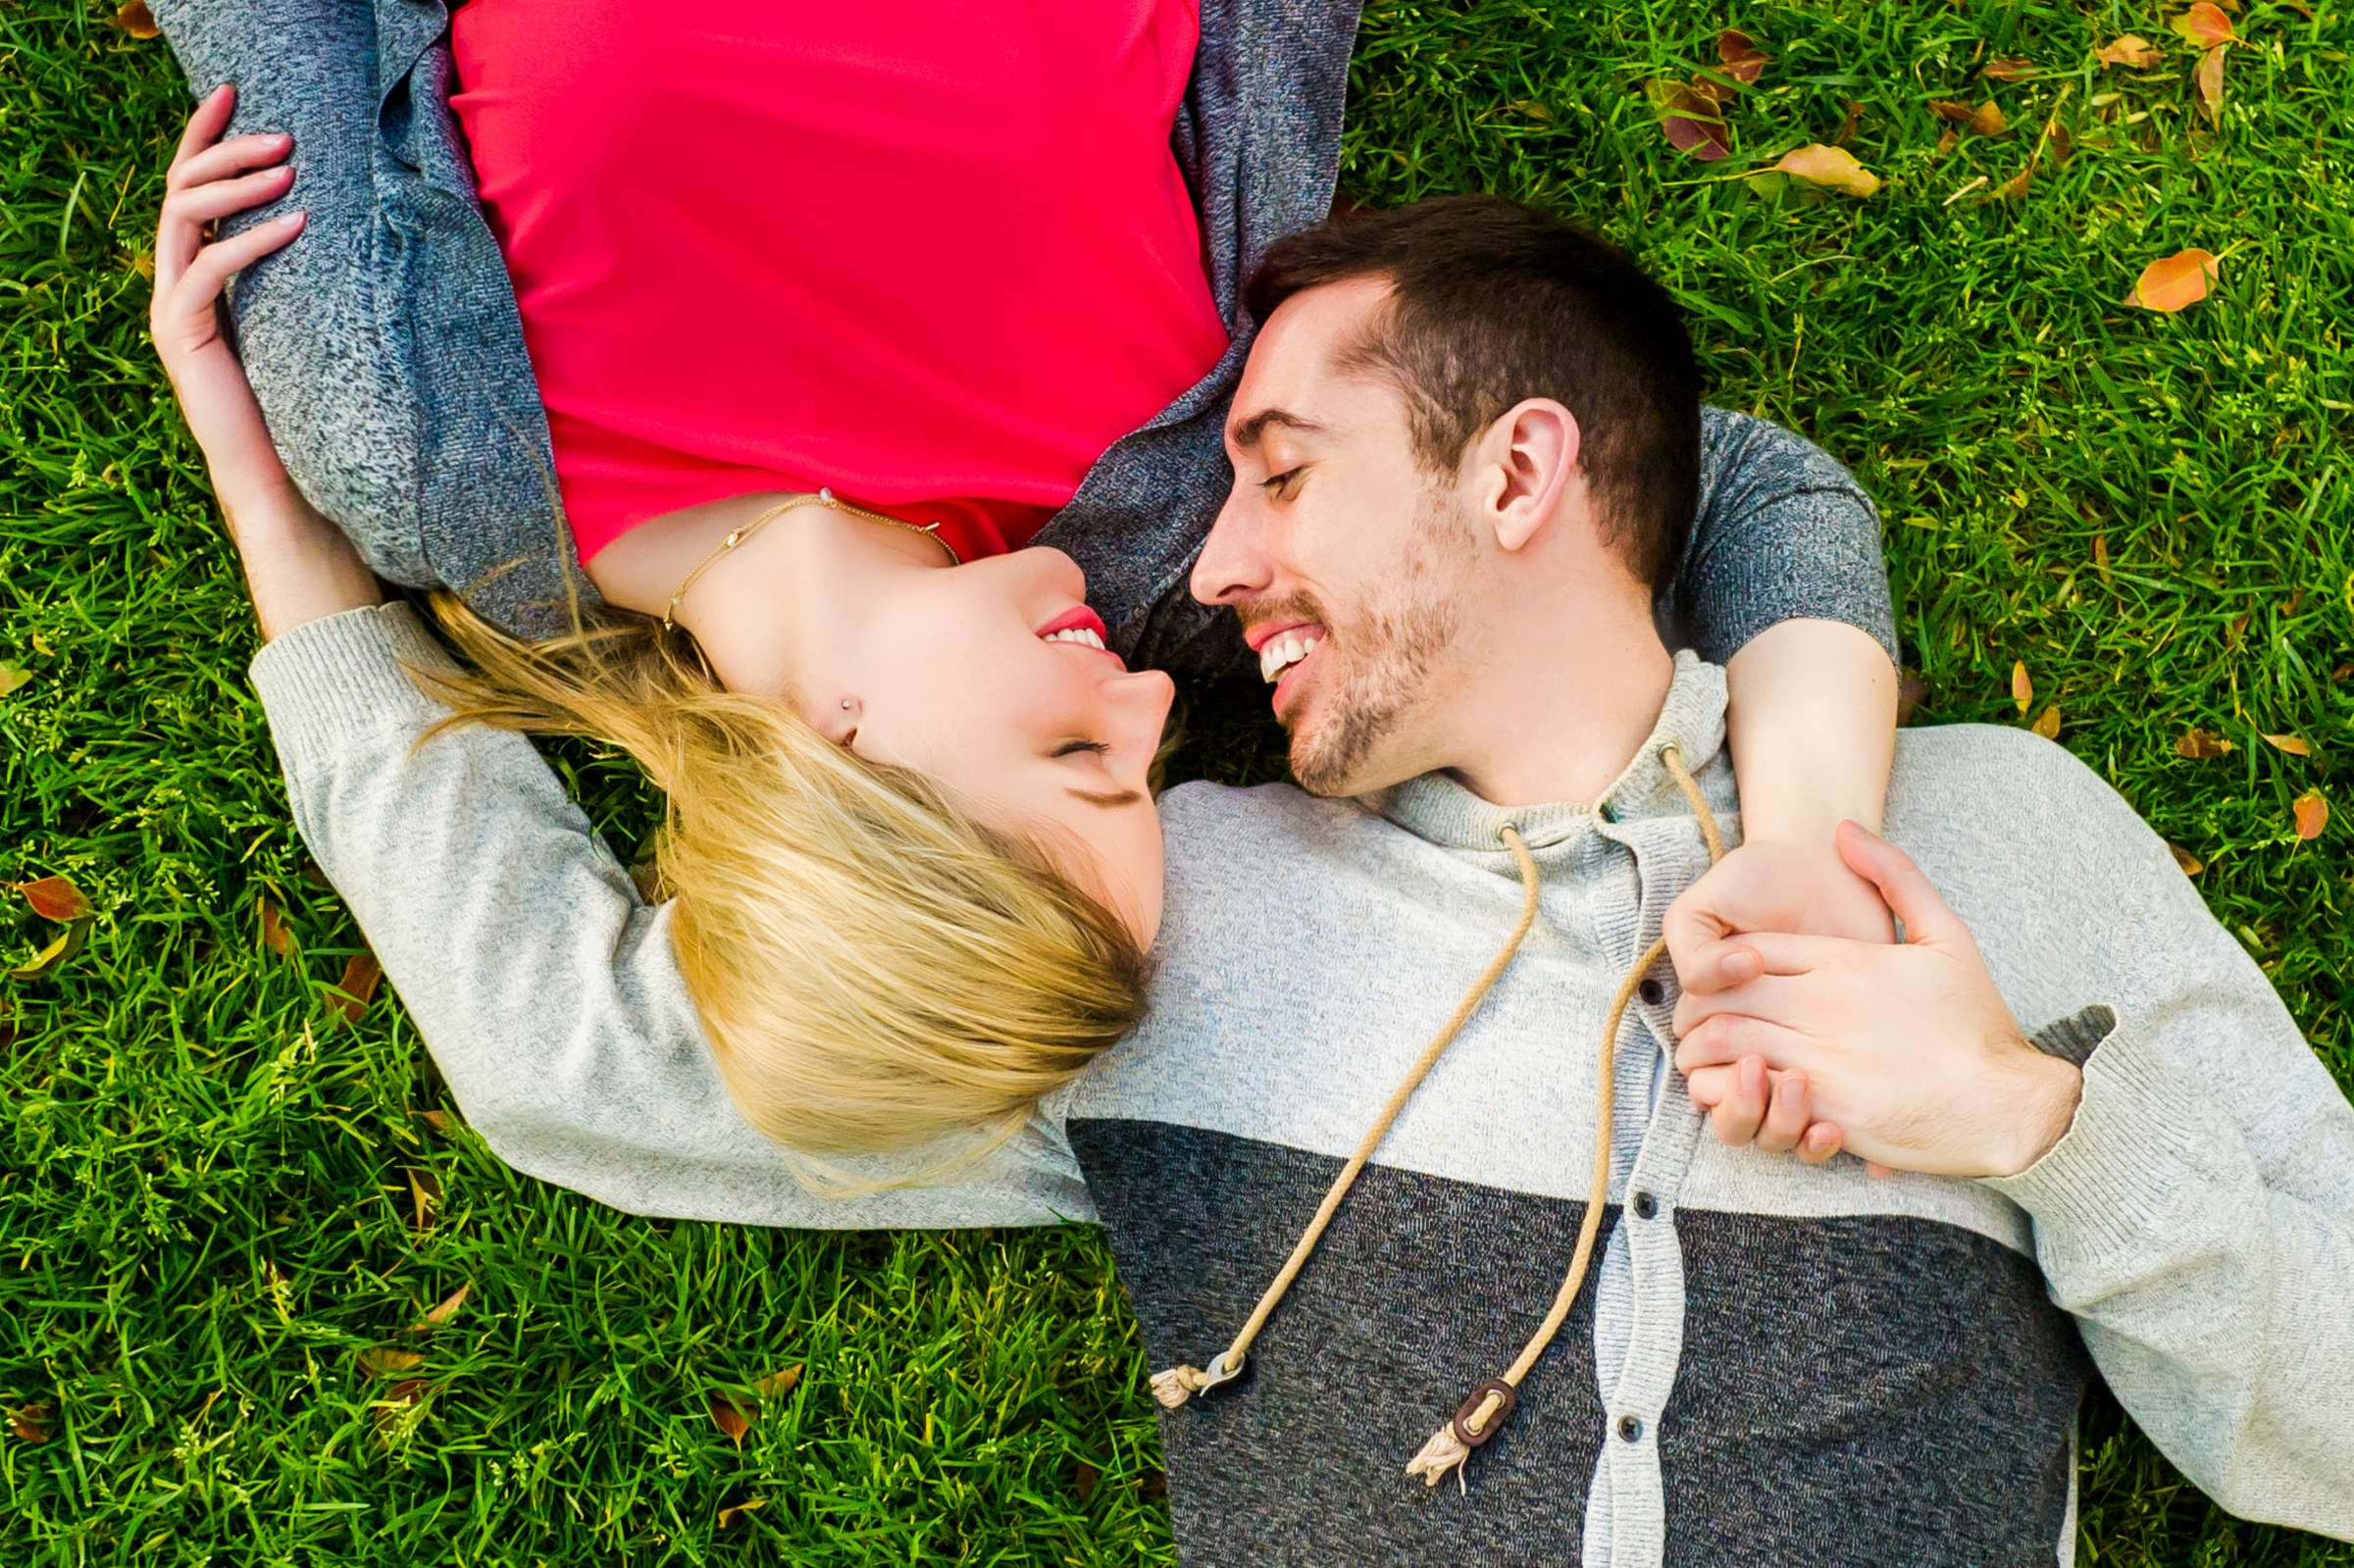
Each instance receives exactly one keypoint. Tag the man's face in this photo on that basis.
(1347, 561)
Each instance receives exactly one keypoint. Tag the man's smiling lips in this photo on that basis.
(1284, 648)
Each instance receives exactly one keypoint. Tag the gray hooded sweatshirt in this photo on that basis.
(1770, 1364)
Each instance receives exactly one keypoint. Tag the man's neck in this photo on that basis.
(1559, 713)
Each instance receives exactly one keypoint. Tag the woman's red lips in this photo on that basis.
(1079, 618)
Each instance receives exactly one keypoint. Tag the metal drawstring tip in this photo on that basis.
(1180, 1384)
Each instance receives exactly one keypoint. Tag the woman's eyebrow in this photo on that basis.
(1124, 797)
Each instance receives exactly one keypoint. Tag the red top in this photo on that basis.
(922, 253)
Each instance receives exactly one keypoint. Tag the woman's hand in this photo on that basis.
(212, 180)
(298, 567)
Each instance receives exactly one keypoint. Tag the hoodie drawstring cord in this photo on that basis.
(1483, 1414)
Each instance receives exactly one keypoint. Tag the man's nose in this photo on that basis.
(1233, 566)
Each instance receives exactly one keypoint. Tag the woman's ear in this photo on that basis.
(1531, 460)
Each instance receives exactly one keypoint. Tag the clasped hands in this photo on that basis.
(1806, 1029)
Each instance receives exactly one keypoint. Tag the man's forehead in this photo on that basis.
(1292, 378)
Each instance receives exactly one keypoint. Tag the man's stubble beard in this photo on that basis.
(1390, 649)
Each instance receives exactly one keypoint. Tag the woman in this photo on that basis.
(911, 861)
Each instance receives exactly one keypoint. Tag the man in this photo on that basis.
(1465, 445)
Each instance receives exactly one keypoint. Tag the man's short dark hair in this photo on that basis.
(1492, 303)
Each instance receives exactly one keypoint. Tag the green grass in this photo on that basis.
(204, 1194)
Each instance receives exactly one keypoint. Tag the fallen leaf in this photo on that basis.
(1851, 125)
(32, 1423)
(2210, 79)
(1948, 140)
(778, 1382)
(134, 19)
(1519, 105)
(445, 1311)
(2191, 864)
(2342, 674)
(730, 1420)
(2313, 815)
(406, 1392)
(1948, 108)
(2294, 745)
(1691, 122)
(438, 1121)
(67, 945)
(2056, 137)
(275, 932)
(1743, 60)
(1832, 167)
(1718, 93)
(2016, 188)
(54, 898)
(12, 675)
(728, 1515)
(1987, 120)
(1911, 692)
(2172, 282)
(2200, 744)
(384, 1362)
(1084, 1477)
(2296, 602)
(361, 972)
(2047, 722)
(2131, 51)
(2100, 553)
(2007, 68)
(1153, 1483)
(424, 1200)
(2022, 687)
(2237, 630)
(2204, 25)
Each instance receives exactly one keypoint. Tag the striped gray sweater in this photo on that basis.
(1772, 1364)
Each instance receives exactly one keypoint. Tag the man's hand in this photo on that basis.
(1909, 1049)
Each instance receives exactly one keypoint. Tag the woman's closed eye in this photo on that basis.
(1071, 749)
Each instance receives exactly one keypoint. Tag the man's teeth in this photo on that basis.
(1079, 635)
(1281, 653)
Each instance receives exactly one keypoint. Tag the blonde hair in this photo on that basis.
(877, 972)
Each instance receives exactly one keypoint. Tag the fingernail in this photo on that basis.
(293, 218)
(1742, 965)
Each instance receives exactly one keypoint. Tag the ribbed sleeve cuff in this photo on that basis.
(342, 678)
(2109, 1181)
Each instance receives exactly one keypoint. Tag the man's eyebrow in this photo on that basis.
(1246, 434)
(1124, 797)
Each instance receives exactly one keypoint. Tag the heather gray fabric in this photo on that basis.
(1764, 1319)
(386, 352)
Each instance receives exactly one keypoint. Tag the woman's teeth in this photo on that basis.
(1079, 635)
(1281, 653)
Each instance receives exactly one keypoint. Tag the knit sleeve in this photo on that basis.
(1782, 534)
(543, 986)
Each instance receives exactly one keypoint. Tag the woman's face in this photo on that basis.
(985, 677)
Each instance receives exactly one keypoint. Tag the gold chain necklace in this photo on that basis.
(825, 497)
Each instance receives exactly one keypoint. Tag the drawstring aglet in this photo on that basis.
(1180, 1384)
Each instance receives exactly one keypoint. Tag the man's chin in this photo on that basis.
(1324, 769)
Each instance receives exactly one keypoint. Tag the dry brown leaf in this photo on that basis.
(2007, 68)
(2237, 630)
(2016, 188)
(1987, 120)
(728, 1417)
(2204, 25)
(2047, 722)
(2100, 553)
(54, 898)
(2172, 282)
(1831, 167)
(438, 1121)
(2056, 137)
(1851, 125)
(276, 936)
(1911, 692)
(424, 1200)
(2210, 79)
(1947, 140)
(2313, 815)
(361, 972)
(384, 1362)
(2342, 674)
(67, 945)
(32, 1423)
(134, 19)
(443, 1313)
(1743, 60)
(2191, 864)
(728, 1515)
(2131, 51)
(2023, 686)
(1691, 121)
(1949, 109)
(777, 1383)
(2294, 745)
(2200, 744)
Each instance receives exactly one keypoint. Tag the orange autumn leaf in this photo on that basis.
(2197, 745)
(781, 1382)
(728, 1515)
(2016, 188)
(425, 1199)
(274, 934)
(2047, 722)
(361, 972)
(1743, 60)
(1831, 167)
(2008, 67)
(2204, 25)
(2210, 80)
(2100, 553)
(728, 1417)
(134, 19)
(447, 1309)
(2022, 687)
(1987, 120)
(2173, 282)
(1691, 121)
(2131, 51)
(2294, 745)
(54, 898)
(32, 1423)
(2313, 815)
(2191, 864)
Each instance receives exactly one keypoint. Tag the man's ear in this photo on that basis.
(1527, 460)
